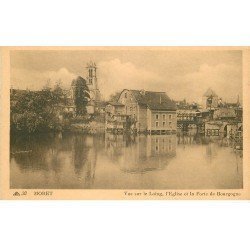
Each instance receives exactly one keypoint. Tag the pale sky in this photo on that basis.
(180, 73)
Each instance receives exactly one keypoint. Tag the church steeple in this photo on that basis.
(92, 79)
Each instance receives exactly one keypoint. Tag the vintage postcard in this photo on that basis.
(125, 123)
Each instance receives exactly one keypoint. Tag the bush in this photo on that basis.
(35, 111)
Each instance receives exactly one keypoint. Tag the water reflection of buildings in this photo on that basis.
(138, 154)
(191, 137)
(84, 157)
(50, 154)
(69, 160)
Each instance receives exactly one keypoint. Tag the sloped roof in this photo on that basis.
(91, 64)
(224, 113)
(209, 93)
(154, 100)
(115, 103)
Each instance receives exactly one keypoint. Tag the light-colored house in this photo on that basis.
(114, 108)
(224, 114)
(214, 129)
(222, 129)
(149, 111)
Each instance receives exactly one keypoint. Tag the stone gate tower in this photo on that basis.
(92, 82)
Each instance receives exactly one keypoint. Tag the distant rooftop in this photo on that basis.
(209, 93)
(115, 103)
(154, 100)
(224, 113)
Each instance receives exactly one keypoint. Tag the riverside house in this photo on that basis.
(148, 111)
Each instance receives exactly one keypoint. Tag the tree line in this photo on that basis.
(39, 111)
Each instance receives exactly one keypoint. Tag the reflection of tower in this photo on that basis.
(92, 82)
(84, 159)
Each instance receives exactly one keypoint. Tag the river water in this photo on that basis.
(78, 161)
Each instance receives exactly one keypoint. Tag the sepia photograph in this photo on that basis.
(126, 118)
(124, 124)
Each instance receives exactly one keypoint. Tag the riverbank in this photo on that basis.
(92, 127)
(86, 127)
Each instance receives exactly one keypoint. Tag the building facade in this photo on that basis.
(148, 111)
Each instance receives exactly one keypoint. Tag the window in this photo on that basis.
(170, 124)
(90, 72)
(214, 132)
(156, 116)
(163, 117)
(156, 124)
(90, 81)
(163, 124)
(156, 140)
(170, 116)
(125, 95)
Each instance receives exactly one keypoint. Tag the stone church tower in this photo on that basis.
(210, 99)
(92, 82)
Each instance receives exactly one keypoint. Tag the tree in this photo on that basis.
(35, 111)
(59, 94)
(81, 95)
